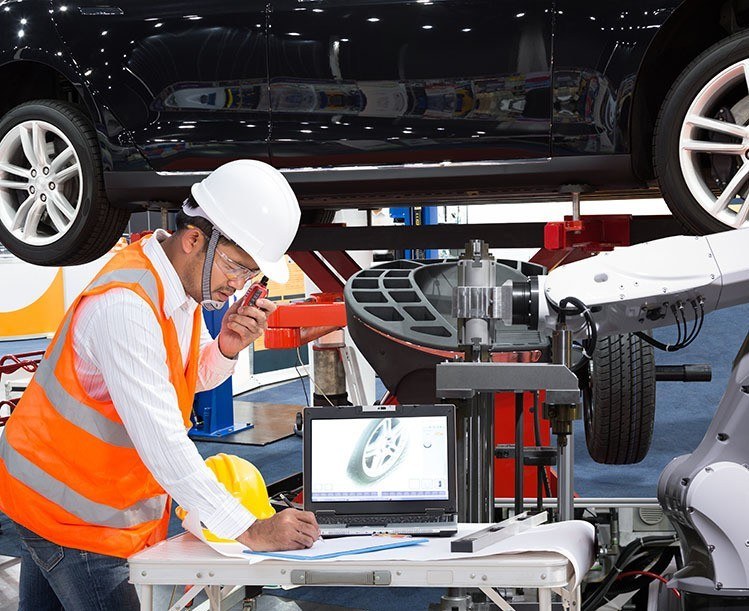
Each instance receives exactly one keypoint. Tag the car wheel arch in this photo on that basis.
(48, 77)
(661, 65)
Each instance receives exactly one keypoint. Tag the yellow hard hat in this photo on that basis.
(244, 482)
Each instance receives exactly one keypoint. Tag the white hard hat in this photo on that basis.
(252, 204)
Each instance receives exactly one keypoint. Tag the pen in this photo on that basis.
(286, 501)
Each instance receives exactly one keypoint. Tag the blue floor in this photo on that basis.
(682, 416)
(683, 410)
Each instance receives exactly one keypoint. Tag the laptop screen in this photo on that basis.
(379, 459)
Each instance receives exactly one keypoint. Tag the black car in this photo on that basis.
(107, 108)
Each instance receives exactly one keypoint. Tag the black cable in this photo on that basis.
(588, 345)
(638, 582)
(697, 325)
(688, 337)
(684, 321)
(625, 557)
(630, 555)
(301, 379)
(674, 311)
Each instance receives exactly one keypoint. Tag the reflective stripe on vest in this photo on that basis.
(70, 408)
(143, 277)
(94, 513)
(74, 411)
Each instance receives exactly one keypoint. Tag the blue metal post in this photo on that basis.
(215, 407)
(425, 215)
(430, 216)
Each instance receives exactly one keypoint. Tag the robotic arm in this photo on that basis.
(637, 288)
(706, 493)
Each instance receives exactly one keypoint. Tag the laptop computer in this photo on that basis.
(381, 469)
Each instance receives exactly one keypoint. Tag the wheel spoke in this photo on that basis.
(9, 168)
(702, 146)
(745, 65)
(38, 136)
(722, 201)
(31, 224)
(12, 184)
(61, 159)
(67, 173)
(742, 215)
(28, 145)
(23, 210)
(60, 202)
(58, 220)
(714, 125)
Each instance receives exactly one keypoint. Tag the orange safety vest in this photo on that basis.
(68, 468)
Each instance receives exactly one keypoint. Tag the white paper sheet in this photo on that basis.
(574, 539)
(191, 523)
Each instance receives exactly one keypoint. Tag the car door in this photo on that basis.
(187, 80)
(598, 49)
(382, 82)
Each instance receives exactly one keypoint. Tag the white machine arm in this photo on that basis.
(633, 288)
(705, 493)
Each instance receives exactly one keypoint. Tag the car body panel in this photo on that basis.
(499, 100)
(594, 81)
(31, 40)
(383, 82)
(160, 67)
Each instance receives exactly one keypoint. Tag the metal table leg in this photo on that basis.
(146, 597)
(544, 599)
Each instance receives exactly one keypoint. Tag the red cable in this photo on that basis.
(652, 576)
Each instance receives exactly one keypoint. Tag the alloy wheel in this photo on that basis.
(41, 182)
(714, 146)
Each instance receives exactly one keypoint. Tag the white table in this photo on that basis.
(185, 560)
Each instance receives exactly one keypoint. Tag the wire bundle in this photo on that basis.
(637, 565)
(589, 344)
(684, 337)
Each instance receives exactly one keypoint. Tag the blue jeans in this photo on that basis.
(56, 578)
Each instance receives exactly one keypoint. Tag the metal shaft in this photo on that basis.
(476, 420)
(475, 456)
(565, 486)
(562, 354)
(519, 452)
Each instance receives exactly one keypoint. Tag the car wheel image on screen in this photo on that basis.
(380, 447)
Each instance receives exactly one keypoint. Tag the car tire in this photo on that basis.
(706, 109)
(370, 461)
(619, 400)
(51, 148)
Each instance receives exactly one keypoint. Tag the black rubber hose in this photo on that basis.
(625, 557)
(638, 582)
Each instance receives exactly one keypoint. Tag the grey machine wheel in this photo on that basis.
(53, 208)
(702, 140)
(619, 400)
(381, 446)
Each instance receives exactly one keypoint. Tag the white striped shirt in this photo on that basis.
(120, 355)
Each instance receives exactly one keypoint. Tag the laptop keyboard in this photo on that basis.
(404, 518)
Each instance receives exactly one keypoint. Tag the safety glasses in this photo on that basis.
(234, 271)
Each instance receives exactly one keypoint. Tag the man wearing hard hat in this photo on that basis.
(98, 442)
